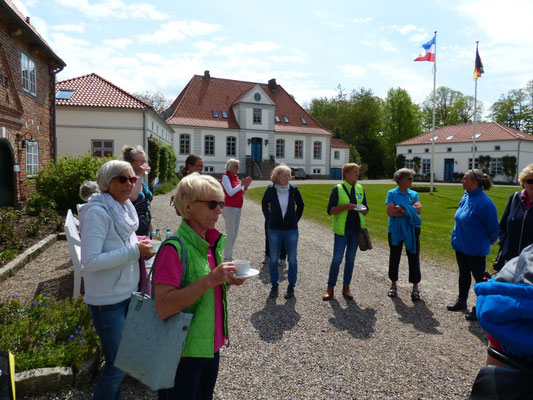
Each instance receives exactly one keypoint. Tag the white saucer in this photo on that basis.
(359, 207)
(251, 272)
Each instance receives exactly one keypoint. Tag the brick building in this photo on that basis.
(28, 68)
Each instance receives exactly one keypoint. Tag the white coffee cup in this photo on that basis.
(243, 266)
(155, 245)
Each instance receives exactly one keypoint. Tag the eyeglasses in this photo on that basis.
(212, 204)
(123, 179)
(530, 181)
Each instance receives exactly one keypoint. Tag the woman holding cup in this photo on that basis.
(199, 200)
(141, 196)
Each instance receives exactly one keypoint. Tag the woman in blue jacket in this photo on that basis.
(283, 207)
(475, 230)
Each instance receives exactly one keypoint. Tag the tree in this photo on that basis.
(509, 167)
(156, 99)
(355, 157)
(401, 121)
(416, 164)
(400, 161)
(514, 110)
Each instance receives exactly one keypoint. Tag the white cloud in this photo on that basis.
(118, 43)
(353, 71)
(22, 6)
(328, 20)
(387, 46)
(245, 48)
(114, 8)
(179, 30)
(80, 28)
(362, 20)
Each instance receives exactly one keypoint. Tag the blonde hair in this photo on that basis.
(196, 187)
(129, 153)
(274, 177)
(527, 171)
(402, 173)
(349, 167)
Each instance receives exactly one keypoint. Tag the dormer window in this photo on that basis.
(303, 120)
(286, 119)
(215, 113)
(276, 117)
(224, 114)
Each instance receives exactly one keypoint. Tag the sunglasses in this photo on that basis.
(212, 204)
(530, 181)
(124, 179)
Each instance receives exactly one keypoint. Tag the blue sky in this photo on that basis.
(310, 46)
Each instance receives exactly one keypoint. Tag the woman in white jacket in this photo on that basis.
(110, 257)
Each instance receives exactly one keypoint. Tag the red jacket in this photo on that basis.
(237, 199)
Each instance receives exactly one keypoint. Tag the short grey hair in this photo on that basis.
(110, 170)
(402, 173)
(196, 187)
(231, 163)
(87, 189)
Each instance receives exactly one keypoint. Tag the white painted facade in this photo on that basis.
(78, 127)
(460, 155)
(339, 157)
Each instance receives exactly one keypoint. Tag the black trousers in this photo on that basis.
(474, 265)
(412, 258)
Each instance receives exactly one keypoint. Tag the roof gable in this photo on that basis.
(94, 91)
(487, 131)
(256, 95)
(339, 144)
(203, 94)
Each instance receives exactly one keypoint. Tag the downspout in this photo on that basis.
(144, 131)
(518, 160)
(54, 111)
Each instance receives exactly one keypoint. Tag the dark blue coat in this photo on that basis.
(516, 227)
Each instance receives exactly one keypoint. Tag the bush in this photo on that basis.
(60, 181)
(423, 189)
(48, 333)
(153, 156)
(166, 187)
(9, 218)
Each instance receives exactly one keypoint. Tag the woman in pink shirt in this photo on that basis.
(199, 200)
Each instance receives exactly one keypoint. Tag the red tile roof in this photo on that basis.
(24, 21)
(339, 144)
(487, 131)
(94, 91)
(194, 105)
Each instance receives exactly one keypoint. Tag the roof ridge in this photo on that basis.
(180, 98)
(506, 129)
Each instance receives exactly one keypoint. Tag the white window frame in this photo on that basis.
(470, 163)
(102, 149)
(409, 164)
(185, 143)
(496, 166)
(336, 155)
(426, 166)
(299, 149)
(231, 146)
(28, 74)
(317, 171)
(257, 115)
(280, 148)
(209, 168)
(317, 150)
(32, 158)
(209, 145)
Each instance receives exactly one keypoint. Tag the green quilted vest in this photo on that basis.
(339, 220)
(199, 341)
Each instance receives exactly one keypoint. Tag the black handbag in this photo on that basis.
(364, 240)
(7, 375)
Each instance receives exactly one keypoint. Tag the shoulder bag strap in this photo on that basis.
(184, 265)
(346, 190)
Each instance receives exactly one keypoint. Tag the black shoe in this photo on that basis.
(290, 292)
(273, 292)
(459, 305)
(471, 316)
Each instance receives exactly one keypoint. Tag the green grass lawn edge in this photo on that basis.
(438, 210)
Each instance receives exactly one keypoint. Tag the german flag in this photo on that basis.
(478, 69)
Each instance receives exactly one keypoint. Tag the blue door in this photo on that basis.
(448, 169)
(335, 174)
(257, 149)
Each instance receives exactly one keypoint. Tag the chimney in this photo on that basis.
(207, 77)
(273, 86)
(27, 20)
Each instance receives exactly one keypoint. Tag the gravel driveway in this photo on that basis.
(371, 348)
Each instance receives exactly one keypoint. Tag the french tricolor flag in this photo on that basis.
(429, 49)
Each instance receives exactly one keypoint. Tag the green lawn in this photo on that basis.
(437, 215)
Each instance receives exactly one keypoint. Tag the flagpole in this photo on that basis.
(475, 118)
(433, 124)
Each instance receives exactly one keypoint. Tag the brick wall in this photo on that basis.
(32, 116)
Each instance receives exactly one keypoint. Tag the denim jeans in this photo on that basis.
(109, 322)
(290, 239)
(195, 379)
(349, 243)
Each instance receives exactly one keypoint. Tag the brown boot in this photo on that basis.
(329, 294)
(346, 292)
